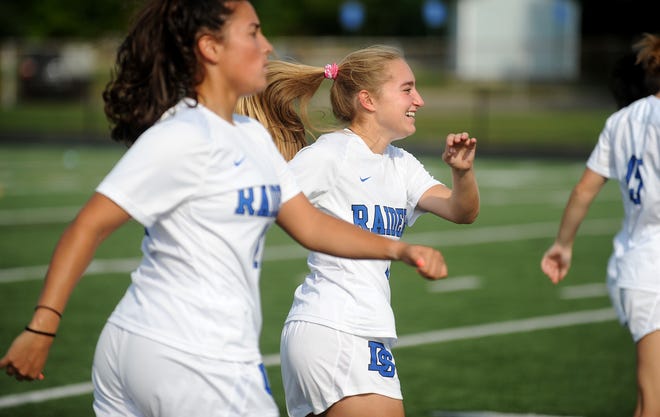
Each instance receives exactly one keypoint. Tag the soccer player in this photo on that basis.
(336, 346)
(628, 150)
(206, 184)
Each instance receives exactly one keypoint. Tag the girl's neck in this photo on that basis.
(375, 142)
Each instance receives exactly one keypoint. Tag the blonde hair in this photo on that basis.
(648, 56)
(283, 106)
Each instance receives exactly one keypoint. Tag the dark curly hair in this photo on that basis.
(157, 63)
(627, 81)
(648, 57)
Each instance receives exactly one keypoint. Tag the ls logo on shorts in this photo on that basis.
(381, 360)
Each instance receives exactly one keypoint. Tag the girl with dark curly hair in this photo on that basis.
(206, 184)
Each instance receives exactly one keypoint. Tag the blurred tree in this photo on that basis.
(321, 17)
(38, 19)
(280, 17)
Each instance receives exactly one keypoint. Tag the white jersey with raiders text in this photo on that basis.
(341, 176)
(628, 151)
(205, 191)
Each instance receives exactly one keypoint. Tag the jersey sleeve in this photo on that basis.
(419, 180)
(314, 170)
(601, 159)
(164, 167)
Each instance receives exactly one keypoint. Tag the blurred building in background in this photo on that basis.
(62, 72)
(516, 39)
(49, 71)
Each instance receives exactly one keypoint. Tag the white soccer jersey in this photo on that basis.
(628, 150)
(341, 176)
(206, 191)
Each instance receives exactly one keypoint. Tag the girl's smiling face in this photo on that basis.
(397, 101)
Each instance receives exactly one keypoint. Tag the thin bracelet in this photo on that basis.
(48, 308)
(29, 329)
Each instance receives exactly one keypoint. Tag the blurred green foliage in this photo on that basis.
(321, 17)
(39, 19)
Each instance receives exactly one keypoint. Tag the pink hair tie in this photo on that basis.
(331, 71)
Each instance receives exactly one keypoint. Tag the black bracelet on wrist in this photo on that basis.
(31, 330)
(48, 308)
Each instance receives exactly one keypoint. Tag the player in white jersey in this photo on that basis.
(628, 151)
(337, 342)
(206, 184)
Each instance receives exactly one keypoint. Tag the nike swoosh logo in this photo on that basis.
(363, 179)
(239, 161)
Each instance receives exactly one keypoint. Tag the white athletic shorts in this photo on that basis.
(137, 377)
(615, 291)
(321, 365)
(641, 310)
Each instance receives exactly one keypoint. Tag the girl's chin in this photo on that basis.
(255, 87)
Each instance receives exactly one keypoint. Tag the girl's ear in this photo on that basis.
(366, 101)
(209, 48)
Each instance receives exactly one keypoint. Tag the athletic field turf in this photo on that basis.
(495, 338)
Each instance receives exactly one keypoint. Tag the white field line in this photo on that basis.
(453, 284)
(507, 327)
(467, 236)
(37, 215)
(559, 198)
(484, 414)
(98, 266)
(583, 291)
(508, 233)
(46, 394)
(436, 336)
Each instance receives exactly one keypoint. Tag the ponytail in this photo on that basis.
(283, 106)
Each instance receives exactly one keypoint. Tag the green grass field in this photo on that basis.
(495, 336)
